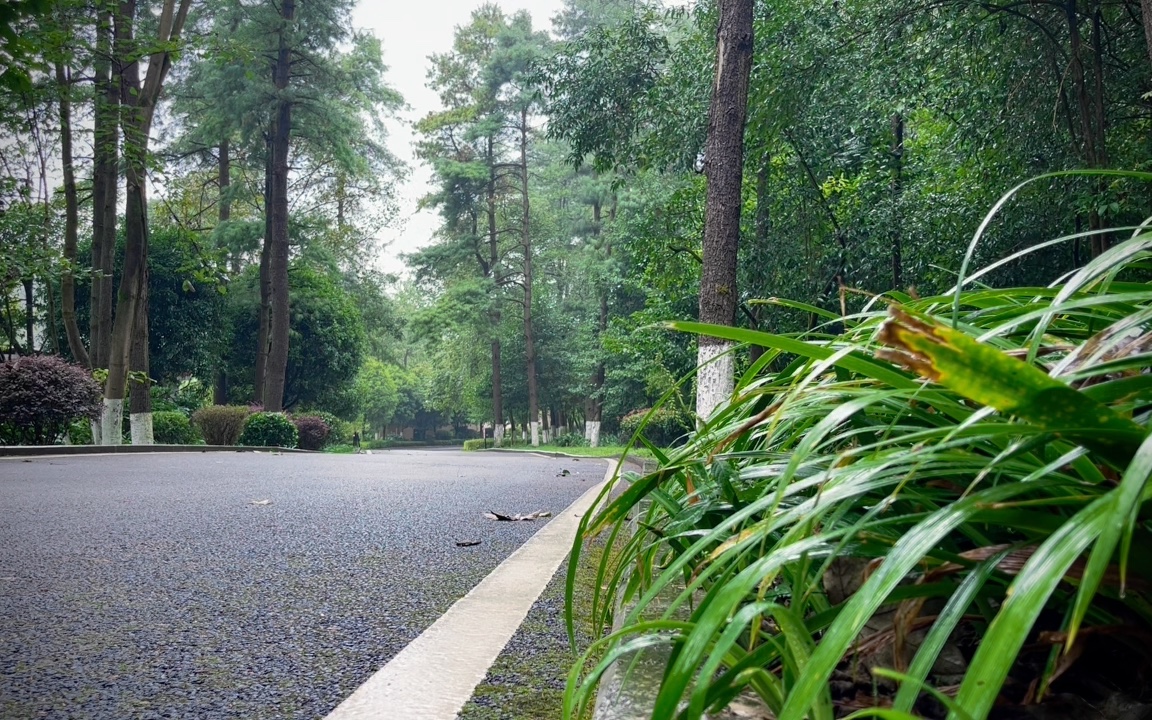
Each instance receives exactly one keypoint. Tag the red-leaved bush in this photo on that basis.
(40, 396)
(313, 432)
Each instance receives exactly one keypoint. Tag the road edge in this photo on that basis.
(434, 676)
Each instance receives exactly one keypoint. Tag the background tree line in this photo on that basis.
(570, 172)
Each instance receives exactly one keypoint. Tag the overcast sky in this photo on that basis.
(411, 30)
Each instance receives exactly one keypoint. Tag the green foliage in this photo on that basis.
(477, 444)
(570, 440)
(41, 396)
(1007, 453)
(312, 432)
(376, 392)
(662, 426)
(269, 429)
(221, 424)
(171, 427)
(327, 338)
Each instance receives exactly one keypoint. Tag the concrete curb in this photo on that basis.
(39, 450)
(435, 675)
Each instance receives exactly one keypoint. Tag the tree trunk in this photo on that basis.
(140, 390)
(138, 99)
(224, 181)
(896, 189)
(71, 221)
(265, 284)
(224, 213)
(526, 245)
(105, 189)
(494, 315)
(1146, 14)
(723, 169)
(29, 316)
(594, 407)
(276, 372)
(497, 396)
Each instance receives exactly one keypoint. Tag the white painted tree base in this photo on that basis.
(714, 378)
(535, 430)
(111, 421)
(498, 436)
(592, 432)
(142, 428)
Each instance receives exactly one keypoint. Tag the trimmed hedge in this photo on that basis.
(269, 429)
(172, 427)
(221, 424)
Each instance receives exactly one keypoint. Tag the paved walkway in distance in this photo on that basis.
(150, 586)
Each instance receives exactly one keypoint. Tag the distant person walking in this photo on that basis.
(356, 441)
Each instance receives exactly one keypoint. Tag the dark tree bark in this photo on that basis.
(723, 169)
(139, 387)
(897, 190)
(526, 247)
(29, 316)
(105, 191)
(138, 99)
(224, 182)
(1146, 16)
(492, 269)
(265, 284)
(275, 373)
(71, 220)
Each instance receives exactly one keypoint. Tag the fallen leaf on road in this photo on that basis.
(563, 473)
(260, 502)
(467, 543)
(517, 518)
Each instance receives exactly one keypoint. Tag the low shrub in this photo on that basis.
(221, 424)
(570, 440)
(41, 396)
(172, 427)
(312, 432)
(663, 427)
(270, 429)
(445, 435)
(478, 444)
(80, 432)
(339, 431)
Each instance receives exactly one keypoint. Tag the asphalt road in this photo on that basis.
(155, 586)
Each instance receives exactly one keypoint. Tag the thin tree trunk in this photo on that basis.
(29, 316)
(896, 189)
(224, 200)
(594, 408)
(1146, 15)
(276, 372)
(526, 245)
(71, 221)
(494, 314)
(265, 285)
(224, 181)
(723, 169)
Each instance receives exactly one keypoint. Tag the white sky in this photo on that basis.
(411, 30)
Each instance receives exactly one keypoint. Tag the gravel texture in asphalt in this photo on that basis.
(247, 585)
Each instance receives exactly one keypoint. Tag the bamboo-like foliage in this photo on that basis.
(984, 452)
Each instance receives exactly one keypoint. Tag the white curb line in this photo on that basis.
(435, 674)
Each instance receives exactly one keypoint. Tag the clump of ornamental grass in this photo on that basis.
(958, 477)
